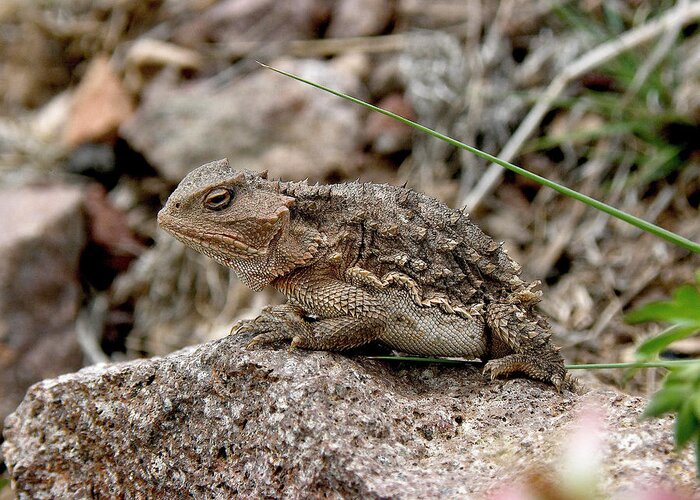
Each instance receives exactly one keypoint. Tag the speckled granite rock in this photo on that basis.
(217, 421)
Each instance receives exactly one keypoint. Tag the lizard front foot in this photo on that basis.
(274, 324)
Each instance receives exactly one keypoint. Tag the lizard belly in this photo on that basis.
(427, 330)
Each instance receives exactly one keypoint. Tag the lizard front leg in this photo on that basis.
(282, 322)
(286, 322)
(323, 314)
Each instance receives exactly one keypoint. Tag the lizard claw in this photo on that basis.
(492, 369)
(239, 327)
(558, 382)
(252, 343)
(265, 331)
(295, 344)
(268, 337)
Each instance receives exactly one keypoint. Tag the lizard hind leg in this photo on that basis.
(529, 350)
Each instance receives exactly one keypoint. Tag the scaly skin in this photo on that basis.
(363, 263)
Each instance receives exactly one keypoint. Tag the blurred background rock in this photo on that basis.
(106, 104)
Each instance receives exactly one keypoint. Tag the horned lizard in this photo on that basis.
(362, 263)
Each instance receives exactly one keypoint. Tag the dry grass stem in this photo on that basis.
(678, 16)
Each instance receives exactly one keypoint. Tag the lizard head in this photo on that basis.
(237, 218)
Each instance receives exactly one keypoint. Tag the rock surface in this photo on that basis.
(218, 421)
(256, 22)
(100, 105)
(261, 121)
(360, 18)
(42, 237)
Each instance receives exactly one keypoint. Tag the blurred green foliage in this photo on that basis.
(639, 115)
(680, 392)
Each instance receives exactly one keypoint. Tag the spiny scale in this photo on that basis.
(429, 230)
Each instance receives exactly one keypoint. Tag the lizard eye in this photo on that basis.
(218, 199)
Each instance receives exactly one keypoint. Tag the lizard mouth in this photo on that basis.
(210, 241)
(218, 241)
(231, 245)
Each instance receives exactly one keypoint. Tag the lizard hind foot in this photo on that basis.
(537, 368)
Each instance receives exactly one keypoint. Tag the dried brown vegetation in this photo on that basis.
(602, 97)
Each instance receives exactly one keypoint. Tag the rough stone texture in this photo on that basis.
(218, 421)
(43, 233)
(261, 121)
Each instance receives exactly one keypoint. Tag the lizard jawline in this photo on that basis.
(231, 244)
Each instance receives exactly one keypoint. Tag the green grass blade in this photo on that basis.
(421, 359)
(635, 364)
(599, 205)
(592, 366)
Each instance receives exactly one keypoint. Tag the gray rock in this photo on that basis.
(262, 121)
(219, 421)
(42, 237)
(360, 18)
(228, 22)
